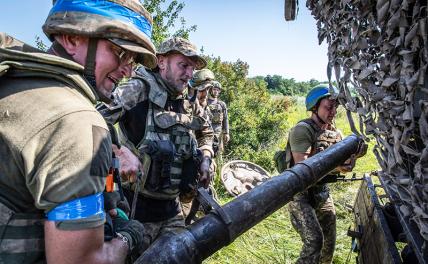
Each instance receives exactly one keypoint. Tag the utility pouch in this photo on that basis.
(162, 154)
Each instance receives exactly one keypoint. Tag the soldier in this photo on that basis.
(312, 212)
(162, 129)
(55, 146)
(219, 120)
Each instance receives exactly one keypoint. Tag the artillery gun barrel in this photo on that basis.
(212, 232)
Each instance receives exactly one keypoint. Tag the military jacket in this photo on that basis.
(54, 145)
(145, 112)
(219, 118)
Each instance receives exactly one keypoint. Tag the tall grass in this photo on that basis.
(274, 240)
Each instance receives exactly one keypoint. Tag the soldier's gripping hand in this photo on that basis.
(130, 165)
(204, 172)
(132, 230)
(112, 201)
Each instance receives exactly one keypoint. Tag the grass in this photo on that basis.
(274, 240)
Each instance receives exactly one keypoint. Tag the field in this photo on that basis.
(274, 240)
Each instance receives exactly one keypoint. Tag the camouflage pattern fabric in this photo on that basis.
(316, 227)
(154, 230)
(380, 49)
(184, 47)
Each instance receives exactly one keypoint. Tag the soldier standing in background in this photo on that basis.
(219, 120)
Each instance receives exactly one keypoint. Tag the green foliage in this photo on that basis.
(255, 119)
(40, 45)
(165, 18)
(290, 87)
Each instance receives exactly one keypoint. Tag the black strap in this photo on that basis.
(89, 70)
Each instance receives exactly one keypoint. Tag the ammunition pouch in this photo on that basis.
(162, 154)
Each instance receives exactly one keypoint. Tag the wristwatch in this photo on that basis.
(124, 240)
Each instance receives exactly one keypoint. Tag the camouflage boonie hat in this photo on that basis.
(184, 47)
(203, 79)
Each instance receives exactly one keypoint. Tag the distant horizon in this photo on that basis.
(240, 29)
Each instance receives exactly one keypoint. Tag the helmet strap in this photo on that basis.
(319, 118)
(89, 70)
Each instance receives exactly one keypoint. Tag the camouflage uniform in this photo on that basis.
(312, 212)
(147, 110)
(219, 121)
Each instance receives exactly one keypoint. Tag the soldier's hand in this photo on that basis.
(204, 172)
(130, 165)
(112, 201)
(348, 165)
(226, 138)
(132, 230)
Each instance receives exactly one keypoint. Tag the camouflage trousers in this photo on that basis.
(155, 230)
(316, 227)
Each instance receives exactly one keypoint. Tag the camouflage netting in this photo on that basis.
(379, 48)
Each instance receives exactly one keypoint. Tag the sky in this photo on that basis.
(253, 31)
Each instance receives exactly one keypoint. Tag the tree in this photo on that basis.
(165, 19)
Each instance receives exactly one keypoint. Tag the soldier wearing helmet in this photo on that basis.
(55, 146)
(312, 212)
(168, 134)
(220, 119)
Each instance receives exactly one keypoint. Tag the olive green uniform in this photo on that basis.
(312, 212)
(146, 111)
(54, 146)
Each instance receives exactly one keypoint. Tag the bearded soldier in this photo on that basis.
(55, 146)
(167, 132)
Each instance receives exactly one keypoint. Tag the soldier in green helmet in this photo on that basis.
(55, 147)
(168, 134)
(312, 212)
(220, 119)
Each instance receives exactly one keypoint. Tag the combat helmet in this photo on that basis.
(202, 79)
(184, 47)
(124, 22)
(317, 93)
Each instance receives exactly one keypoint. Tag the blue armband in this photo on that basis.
(80, 208)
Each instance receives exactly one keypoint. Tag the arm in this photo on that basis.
(82, 246)
(205, 137)
(66, 160)
(225, 128)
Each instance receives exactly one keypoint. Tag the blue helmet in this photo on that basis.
(317, 93)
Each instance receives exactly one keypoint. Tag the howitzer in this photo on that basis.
(218, 229)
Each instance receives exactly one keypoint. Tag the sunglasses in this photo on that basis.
(125, 57)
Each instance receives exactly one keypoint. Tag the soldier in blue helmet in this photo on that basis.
(312, 212)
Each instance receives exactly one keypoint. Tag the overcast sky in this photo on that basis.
(254, 31)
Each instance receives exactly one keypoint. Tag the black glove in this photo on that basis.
(131, 229)
(112, 201)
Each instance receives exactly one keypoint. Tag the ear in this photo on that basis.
(72, 44)
(162, 61)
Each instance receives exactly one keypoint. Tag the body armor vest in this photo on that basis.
(320, 192)
(163, 126)
(22, 234)
(216, 113)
